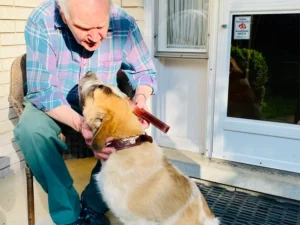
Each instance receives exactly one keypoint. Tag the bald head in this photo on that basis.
(65, 5)
(88, 20)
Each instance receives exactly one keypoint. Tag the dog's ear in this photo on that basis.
(102, 133)
(94, 118)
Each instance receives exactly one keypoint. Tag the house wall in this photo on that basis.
(13, 14)
(181, 103)
(182, 98)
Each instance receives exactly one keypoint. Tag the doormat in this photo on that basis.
(239, 208)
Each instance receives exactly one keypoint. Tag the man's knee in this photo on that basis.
(34, 124)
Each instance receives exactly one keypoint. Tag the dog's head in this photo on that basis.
(107, 111)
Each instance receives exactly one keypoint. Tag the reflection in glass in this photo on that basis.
(265, 68)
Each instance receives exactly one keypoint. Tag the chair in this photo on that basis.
(74, 140)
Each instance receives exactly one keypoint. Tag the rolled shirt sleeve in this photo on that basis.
(44, 88)
(139, 58)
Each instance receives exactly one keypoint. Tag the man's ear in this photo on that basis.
(62, 14)
(64, 18)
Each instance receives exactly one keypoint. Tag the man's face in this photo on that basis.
(88, 21)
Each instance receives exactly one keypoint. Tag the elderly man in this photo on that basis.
(65, 39)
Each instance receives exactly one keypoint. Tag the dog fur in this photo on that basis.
(138, 184)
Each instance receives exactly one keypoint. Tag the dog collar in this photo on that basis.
(120, 144)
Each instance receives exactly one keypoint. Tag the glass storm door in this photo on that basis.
(257, 96)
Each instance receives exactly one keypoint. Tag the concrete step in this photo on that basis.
(237, 175)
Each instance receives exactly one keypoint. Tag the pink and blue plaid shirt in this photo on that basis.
(55, 62)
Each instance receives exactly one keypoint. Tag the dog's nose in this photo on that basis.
(96, 147)
(90, 74)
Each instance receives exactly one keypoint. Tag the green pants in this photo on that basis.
(37, 135)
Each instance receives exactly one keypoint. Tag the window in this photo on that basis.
(182, 28)
(264, 75)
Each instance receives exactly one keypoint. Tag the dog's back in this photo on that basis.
(139, 184)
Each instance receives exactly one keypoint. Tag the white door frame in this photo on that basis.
(149, 6)
(214, 9)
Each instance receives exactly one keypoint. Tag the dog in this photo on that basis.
(139, 185)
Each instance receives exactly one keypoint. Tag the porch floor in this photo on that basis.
(235, 207)
(232, 205)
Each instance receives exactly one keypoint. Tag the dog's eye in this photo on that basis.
(96, 124)
(105, 89)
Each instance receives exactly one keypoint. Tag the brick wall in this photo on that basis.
(13, 14)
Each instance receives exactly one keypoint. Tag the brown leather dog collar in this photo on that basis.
(120, 144)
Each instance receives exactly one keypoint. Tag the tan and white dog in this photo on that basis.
(138, 183)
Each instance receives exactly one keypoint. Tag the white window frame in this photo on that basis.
(160, 36)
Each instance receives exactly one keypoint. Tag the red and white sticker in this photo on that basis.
(242, 27)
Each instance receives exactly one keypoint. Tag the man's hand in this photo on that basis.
(142, 93)
(86, 133)
(140, 101)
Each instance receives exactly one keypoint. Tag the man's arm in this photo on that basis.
(66, 115)
(143, 73)
(44, 88)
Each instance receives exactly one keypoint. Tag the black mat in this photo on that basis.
(239, 208)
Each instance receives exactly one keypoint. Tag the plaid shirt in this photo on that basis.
(55, 62)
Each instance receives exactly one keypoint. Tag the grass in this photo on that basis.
(278, 107)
